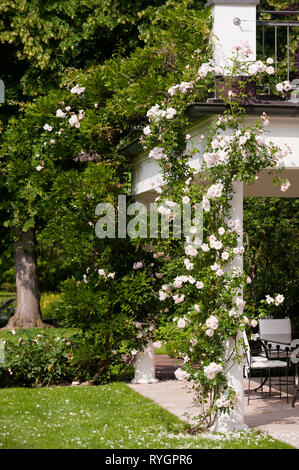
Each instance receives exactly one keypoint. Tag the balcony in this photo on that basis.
(278, 37)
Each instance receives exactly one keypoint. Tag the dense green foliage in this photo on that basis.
(42, 39)
(272, 252)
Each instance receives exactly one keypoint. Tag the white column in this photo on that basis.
(234, 421)
(144, 363)
(234, 23)
(144, 366)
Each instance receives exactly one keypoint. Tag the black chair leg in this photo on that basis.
(279, 378)
(287, 381)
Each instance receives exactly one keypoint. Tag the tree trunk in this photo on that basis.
(28, 295)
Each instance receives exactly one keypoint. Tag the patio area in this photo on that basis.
(272, 415)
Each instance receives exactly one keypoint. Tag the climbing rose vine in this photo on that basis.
(201, 291)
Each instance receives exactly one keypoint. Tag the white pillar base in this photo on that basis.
(233, 421)
(145, 366)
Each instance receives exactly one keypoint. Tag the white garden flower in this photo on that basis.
(287, 86)
(48, 128)
(185, 200)
(77, 90)
(222, 402)
(212, 370)
(159, 275)
(215, 191)
(210, 332)
(180, 374)
(254, 337)
(270, 70)
(205, 247)
(191, 251)
(181, 323)
(261, 67)
(147, 130)
(252, 69)
(212, 322)
(215, 266)
(157, 153)
(73, 121)
(155, 113)
(218, 245)
(233, 313)
(199, 285)
(178, 299)
(279, 87)
(137, 265)
(279, 299)
(285, 186)
(162, 295)
(204, 69)
(188, 265)
(170, 112)
(240, 303)
(206, 204)
(60, 113)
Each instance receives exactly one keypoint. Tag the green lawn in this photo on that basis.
(103, 417)
(21, 333)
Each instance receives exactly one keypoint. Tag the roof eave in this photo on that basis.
(197, 110)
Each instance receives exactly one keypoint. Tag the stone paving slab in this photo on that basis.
(272, 415)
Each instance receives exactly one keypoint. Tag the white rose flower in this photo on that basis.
(182, 375)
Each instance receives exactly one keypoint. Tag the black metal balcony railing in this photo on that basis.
(282, 33)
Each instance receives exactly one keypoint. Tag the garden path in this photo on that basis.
(274, 416)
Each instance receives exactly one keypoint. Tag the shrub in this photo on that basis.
(8, 286)
(47, 303)
(37, 360)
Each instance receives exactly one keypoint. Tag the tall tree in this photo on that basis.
(40, 41)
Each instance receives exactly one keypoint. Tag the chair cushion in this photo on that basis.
(258, 358)
(266, 364)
